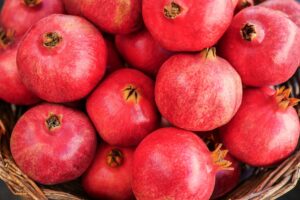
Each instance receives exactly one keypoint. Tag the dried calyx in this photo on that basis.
(172, 10)
(283, 99)
(245, 4)
(218, 156)
(248, 32)
(51, 39)
(115, 158)
(53, 122)
(6, 37)
(131, 94)
(32, 3)
(209, 53)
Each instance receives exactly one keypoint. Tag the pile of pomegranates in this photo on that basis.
(177, 94)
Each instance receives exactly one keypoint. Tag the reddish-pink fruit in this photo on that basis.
(117, 17)
(53, 144)
(20, 15)
(62, 58)
(187, 25)
(109, 176)
(262, 45)
(12, 89)
(123, 108)
(141, 51)
(290, 7)
(172, 163)
(73, 6)
(234, 3)
(265, 130)
(241, 4)
(114, 61)
(198, 92)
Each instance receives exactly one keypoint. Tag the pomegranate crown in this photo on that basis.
(218, 156)
(283, 99)
(32, 3)
(6, 37)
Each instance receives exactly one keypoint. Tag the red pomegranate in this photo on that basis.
(109, 176)
(114, 61)
(20, 15)
(73, 6)
(172, 163)
(290, 7)
(265, 130)
(141, 51)
(267, 43)
(123, 108)
(66, 60)
(241, 4)
(187, 25)
(198, 92)
(117, 17)
(53, 144)
(12, 89)
(234, 3)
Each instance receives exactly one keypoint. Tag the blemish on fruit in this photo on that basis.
(172, 10)
(122, 10)
(115, 158)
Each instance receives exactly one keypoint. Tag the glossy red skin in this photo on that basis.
(102, 181)
(197, 94)
(12, 90)
(270, 58)
(114, 61)
(116, 17)
(141, 51)
(72, 6)
(226, 180)
(120, 122)
(53, 156)
(241, 5)
(261, 134)
(161, 171)
(290, 7)
(195, 21)
(72, 68)
(16, 15)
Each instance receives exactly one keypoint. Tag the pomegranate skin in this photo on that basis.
(263, 58)
(290, 7)
(197, 93)
(116, 17)
(261, 134)
(72, 63)
(109, 181)
(114, 61)
(53, 144)
(12, 90)
(161, 171)
(234, 3)
(122, 108)
(141, 51)
(16, 15)
(178, 31)
(73, 7)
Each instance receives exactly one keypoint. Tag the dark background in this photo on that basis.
(5, 194)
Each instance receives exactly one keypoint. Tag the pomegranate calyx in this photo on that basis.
(131, 94)
(6, 37)
(32, 3)
(283, 99)
(53, 121)
(51, 39)
(218, 156)
(248, 32)
(2, 128)
(209, 53)
(172, 10)
(115, 158)
(245, 4)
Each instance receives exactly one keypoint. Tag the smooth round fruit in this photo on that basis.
(262, 45)
(141, 51)
(53, 144)
(198, 92)
(122, 108)
(114, 61)
(110, 174)
(265, 130)
(187, 25)
(172, 163)
(117, 17)
(73, 7)
(62, 58)
(20, 15)
(12, 89)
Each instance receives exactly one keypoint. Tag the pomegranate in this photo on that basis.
(290, 7)
(187, 171)
(53, 144)
(109, 176)
(141, 51)
(20, 15)
(198, 92)
(187, 25)
(73, 6)
(12, 89)
(243, 4)
(267, 43)
(66, 60)
(266, 128)
(114, 61)
(117, 17)
(234, 3)
(123, 108)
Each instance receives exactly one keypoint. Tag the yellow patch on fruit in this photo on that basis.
(122, 10)
(131, 94)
